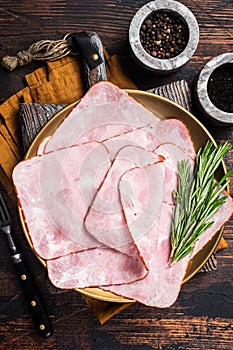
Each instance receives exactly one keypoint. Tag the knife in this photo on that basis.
(90, 46)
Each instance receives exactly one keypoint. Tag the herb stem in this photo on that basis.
(197, 198)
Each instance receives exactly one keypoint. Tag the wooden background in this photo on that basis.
(202, 317)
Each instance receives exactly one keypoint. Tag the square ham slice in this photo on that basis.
(105, 219)
(69, 180)
(105, 111)
(94, 267)
(141, 192)
(175, 132)
(109, 223)
(172, 152)
(55, 191)
(47, 241)
(223, 214)
(161, 287)
(169, 131)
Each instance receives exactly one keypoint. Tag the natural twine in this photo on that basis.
(43, 50)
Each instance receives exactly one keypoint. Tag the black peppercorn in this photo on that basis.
(143, 28)
(164, 34)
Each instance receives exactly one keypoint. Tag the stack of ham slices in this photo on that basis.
(97, 198)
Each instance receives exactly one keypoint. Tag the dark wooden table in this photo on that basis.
(202, 317)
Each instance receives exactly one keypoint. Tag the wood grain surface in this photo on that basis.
(202, 317)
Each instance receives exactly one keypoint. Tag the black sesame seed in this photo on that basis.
(220, 87)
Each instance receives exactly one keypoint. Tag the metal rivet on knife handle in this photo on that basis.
(95, 57)
(90, 46)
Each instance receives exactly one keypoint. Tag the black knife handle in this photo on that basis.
(39, 316)
(90, 46)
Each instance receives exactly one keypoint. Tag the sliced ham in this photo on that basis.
(78, 173)
(55, 191)
(54, 210)
(94, 267)
(223, 214)
(47, 241)
(104, 92)
(105, 111)
(151, 136)
(160, 288)
(139, 137)
(141, 193)
(41, 148)
(97, 200)
(172, 153)
(175, 132)
(105, 219)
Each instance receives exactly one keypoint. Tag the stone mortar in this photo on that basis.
(156, 64)
(216, 115)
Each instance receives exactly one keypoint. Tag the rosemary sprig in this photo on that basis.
(197, 198)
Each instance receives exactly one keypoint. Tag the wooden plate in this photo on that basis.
(164, 109)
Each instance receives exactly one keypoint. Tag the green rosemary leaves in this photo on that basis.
(197, 198)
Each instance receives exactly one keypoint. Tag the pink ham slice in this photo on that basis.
(105, 219)
(223, 215)
(107, 266)
(141, 194)
(171, 152)
(152, 136)
(78, 173)
(47, 241)
(53, 197)
(41, 148)
(160, 288)
(139, 137)
(105, 111)
(94, 267)
(175, 132)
